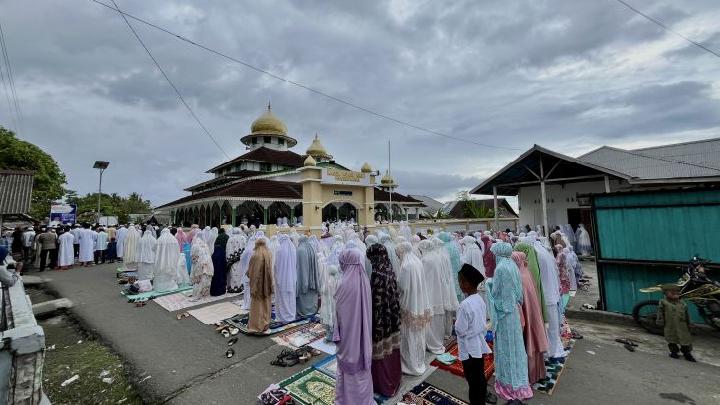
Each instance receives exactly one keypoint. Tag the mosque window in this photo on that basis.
(267, 139)
(253, 141)
(265, 167)
(281, 141)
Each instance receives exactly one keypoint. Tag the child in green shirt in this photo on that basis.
(673, 313)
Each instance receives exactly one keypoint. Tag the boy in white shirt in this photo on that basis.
(470, 329)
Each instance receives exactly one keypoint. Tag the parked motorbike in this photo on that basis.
(695, 286)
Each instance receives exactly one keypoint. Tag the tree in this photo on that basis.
(49, 180)
(472, 208)
(110, 204)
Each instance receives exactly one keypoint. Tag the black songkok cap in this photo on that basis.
(471, 274)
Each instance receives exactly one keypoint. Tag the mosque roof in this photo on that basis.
(269, 124)
(263, 154)
(259, 188)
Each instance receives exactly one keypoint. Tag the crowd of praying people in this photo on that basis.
(385, 298)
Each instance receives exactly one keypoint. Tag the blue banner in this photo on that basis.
(63, 214)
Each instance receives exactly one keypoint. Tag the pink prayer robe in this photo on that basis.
(532, 322)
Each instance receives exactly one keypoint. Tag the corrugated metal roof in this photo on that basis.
(15, 191)
(678, 161)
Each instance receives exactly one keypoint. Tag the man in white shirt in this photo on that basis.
(28, 242)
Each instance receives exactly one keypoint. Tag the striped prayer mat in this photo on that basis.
(553, 371)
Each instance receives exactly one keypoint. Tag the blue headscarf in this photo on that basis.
(506, 289)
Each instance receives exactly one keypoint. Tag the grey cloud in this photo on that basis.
(468, 69)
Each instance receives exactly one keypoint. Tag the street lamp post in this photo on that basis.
(99, 164)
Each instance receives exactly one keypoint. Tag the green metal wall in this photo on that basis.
(622, 284)
(661, 226)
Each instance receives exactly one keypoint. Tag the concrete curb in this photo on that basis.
(594, 315)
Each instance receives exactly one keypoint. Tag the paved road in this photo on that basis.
(185, 359)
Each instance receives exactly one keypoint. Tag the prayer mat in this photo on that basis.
(457, 367)
(125, 274)
(328, 366)
(427, 394)
(323, 346)
(241, 322)
(176, 302)
(215, 313)
(552, 372)
(311, 387)
(300, 336)
(153, 294)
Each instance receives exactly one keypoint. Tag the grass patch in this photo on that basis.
(70, 352)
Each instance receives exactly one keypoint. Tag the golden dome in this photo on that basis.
(366, 168)
(387, 180)
(309, 161)
(317, 150)
(268, 124)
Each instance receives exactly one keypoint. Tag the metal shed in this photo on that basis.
(646, 238)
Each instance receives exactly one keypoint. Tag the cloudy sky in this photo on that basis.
(567, 75)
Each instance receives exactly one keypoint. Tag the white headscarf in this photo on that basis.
(166, 262)
(471, 254)
(146, 248)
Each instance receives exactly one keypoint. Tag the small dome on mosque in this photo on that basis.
(366, 168)
(268, 124)
(317, 150)
(387, 180)
(309, 161)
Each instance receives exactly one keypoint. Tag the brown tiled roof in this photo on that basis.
(227, 177)
(263, 154)
(251, 188)
(381, 195)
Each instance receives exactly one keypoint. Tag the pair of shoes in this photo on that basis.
(674, 355)
(689, 357)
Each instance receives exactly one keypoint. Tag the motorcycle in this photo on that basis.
(695, 286)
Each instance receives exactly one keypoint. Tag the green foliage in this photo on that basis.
(473, 209)
(49, 179)
(110, 204)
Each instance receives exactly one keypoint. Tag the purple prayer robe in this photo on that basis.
(352, 333)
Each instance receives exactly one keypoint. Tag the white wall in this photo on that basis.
(561, 198)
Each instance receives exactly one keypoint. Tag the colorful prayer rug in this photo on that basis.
(300, 336)
(154, 294)
(328, 366)
(457, 367)
(311, 387)
(553, 371)
(215, 313)
(427, 394)
(241, 322)
(177, 302)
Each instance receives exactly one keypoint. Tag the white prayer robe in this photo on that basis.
(432, 269)
(87, 245)
(66, 255)
(415, 309)
(182, 277)
(166, 262)
(131, 244)
(551, 292)
(471, 254)
(285, 272)
(121, 235)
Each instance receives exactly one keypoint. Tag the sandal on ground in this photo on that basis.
(490, 398)
(234, 331)
(629, 347)
(225, 333)
(576, 335)
(232, 341)
(285, 361)
(626, 341)
(229, 353)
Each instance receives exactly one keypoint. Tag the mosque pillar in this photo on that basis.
(233, 209)
(543, 197)
(495, 208)
(312, 196)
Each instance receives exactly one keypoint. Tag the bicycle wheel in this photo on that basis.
(645, 314)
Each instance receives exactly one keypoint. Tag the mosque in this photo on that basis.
(272, 182)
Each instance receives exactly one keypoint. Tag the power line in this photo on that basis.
(179, 95)
(666, 28)
(10, 79)
(300, 85)
(13, 117)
